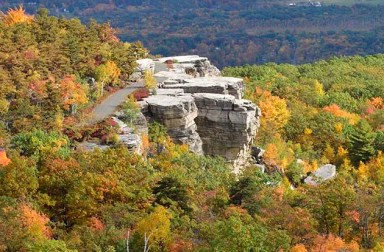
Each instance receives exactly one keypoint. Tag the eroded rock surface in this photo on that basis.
(177, 113)
(213, 124)
(226, 125)
(214, 85)
(202, 109)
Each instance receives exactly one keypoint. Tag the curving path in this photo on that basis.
(110, 104)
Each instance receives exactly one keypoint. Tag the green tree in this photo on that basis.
(170, 193)
(38, 143)
(240, 232)
(243, 191)
(361, 142)
(330, 203)
(19, 178)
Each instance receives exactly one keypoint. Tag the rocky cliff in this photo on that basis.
(207, 113)
(226, 125)
(214, 85)
(178, 114)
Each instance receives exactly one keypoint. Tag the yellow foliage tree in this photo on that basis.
(156, 229)
(319, 89)
(373, 170)
(279, 154)
(15, 16)
(108, 72)
(275, 113)
(149, 80)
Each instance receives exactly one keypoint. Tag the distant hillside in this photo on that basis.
(237, 32)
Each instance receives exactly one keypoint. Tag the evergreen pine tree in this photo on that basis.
(361, 142)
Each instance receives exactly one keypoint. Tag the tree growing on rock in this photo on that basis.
(149, 80)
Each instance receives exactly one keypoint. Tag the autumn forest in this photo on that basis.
(55, 196)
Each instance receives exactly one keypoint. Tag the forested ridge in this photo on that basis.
(52, 68)
(236, 32)
(54, 197)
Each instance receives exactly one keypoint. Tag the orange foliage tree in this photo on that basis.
(275, 113)
(337, 111)
(331, 243)
(15, 16)
(4, 160)
(35, 223)
(73, 93)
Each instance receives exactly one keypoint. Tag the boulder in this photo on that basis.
(128, 137)
(257, 153)
(176, 78)
(132, 141)
(322, 174)
(144, 65)
(140, 124)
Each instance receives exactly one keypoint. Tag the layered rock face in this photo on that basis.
(214, 85)
(204, 110)
(226, 125)
(177, 113)
(212, 124)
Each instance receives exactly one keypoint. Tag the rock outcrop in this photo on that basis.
(226, 125)
(128, 137)
(214, 85)
(213, 124)
(177, 113)
(202, 109)
(191, 64)
(143, 65)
